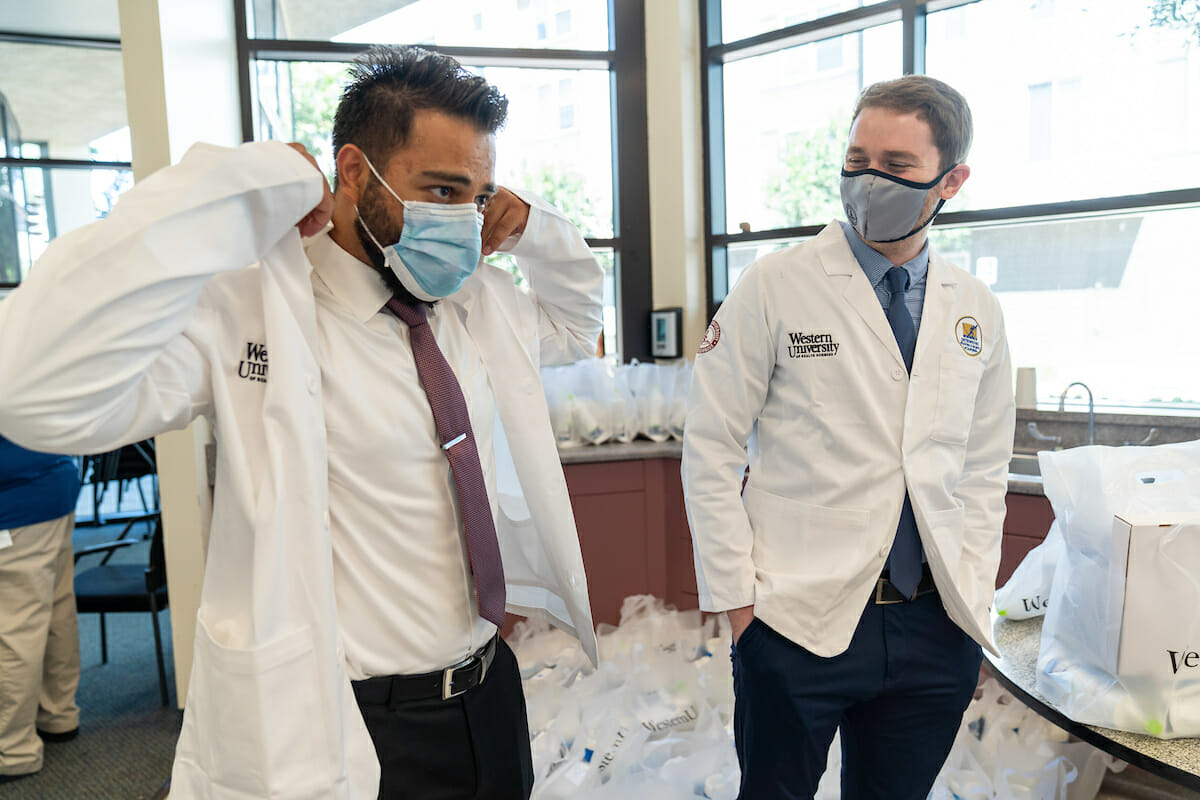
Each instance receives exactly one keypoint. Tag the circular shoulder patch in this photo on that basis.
(970, 335)
(711, 337)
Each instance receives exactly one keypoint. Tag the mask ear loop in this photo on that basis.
(368, 230)
(384, 183)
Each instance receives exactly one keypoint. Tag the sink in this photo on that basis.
(1024, 464)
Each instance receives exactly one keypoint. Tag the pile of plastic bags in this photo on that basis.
(654, 721)
(599, 400)
(1005, 751)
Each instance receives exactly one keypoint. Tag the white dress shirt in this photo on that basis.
(405, 594)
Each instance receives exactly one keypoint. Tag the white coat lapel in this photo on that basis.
(838, 260)
(940, 286)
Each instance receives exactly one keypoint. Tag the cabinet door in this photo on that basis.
(1025, 526)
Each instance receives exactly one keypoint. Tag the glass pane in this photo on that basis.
(1097, 103)
(38, 204)
(604, 255)
(562, 24)
(68, 100)
(741, 19)
(558, 141)
(1095, 300)
(554, 116)
(743, 254)
(782, 167)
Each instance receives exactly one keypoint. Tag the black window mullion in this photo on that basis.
(712, 98)
(631, 175)
(912, 16)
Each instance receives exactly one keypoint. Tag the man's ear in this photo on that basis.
(352, 172)
(954, 180)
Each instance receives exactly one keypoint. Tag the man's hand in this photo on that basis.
(740, 619)
(505, 216)
(319, 217)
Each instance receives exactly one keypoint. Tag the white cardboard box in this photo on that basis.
(1155, 617)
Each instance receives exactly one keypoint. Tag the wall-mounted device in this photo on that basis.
(666, 332)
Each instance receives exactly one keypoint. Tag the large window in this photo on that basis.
(64, 139)
(1085, 175)
(559, 63)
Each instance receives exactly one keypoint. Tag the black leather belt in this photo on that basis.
(886, 593)
(452, 681)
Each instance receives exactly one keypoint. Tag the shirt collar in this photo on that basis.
(354, 284)
(876, 265)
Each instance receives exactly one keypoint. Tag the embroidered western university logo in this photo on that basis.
(970, 336)
(254, 366)
(819, 344)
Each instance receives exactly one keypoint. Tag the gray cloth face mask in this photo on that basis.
(883, 208)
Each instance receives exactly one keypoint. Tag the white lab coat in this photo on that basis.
(839, 435)
(126, 329)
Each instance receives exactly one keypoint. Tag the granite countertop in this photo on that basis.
(672, 448)
(632, 451)
(1018, 642)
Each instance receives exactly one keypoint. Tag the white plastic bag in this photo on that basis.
(1087, 486)
(1027, 591)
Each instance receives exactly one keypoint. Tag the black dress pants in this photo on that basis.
(471, 747)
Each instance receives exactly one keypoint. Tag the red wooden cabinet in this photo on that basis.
(634, 534)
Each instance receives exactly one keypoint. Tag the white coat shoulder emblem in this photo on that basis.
(970, 335)
(711, 337)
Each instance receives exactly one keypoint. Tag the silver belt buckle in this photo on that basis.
(448, 679)
(879, 601)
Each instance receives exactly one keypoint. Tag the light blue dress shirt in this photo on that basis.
(876, 266)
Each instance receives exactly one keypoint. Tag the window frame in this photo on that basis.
(87, 42)
(625, 61)
(912, 14)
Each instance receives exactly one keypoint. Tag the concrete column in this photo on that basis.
(180, 63)
(676, 163)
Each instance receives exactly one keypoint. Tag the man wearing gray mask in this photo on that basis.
(858, 565)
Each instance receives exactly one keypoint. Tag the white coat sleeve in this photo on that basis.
(566, 283)
(96, 346)
(729, 388)
(984, 481)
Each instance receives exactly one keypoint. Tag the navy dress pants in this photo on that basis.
(897, 693)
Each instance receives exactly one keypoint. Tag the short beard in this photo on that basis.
(378, 262)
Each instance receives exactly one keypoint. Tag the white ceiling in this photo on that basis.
(67, 96)
(90, 18)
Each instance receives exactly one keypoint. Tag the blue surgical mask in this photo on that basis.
(439, 245)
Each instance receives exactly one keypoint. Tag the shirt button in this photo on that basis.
(883, 551)
(310, 382)
(897, 374)
(574, 580)
(326, 518)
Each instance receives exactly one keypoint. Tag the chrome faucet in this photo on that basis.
(1091, 408)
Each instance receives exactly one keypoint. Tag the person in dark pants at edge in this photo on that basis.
(870, 382)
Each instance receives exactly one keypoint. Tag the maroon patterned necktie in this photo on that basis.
(458, 443)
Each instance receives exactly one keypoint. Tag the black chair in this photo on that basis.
(124, 465)
(117, 588)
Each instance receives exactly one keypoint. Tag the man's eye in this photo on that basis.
(444, 192)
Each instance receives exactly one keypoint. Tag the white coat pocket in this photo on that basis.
(253, 727)
(958, 383)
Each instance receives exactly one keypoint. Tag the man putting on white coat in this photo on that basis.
(387, 481)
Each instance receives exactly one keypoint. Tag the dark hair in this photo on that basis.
(388, 83)
(937, 103)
